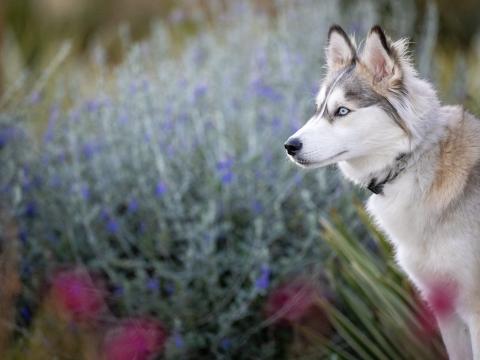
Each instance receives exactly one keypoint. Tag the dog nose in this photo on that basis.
(293, 146)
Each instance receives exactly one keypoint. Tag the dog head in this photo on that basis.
(358, 114)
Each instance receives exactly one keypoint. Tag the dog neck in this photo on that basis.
(389, 174)
(374, 171)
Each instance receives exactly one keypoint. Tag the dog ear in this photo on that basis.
(340, 50)
(379, 56)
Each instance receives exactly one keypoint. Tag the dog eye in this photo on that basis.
(342, 111)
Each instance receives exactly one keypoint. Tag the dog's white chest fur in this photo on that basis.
(404, 221)
(427, 249)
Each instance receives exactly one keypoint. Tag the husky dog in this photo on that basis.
(388, 132)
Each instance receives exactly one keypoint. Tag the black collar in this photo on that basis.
(398, 167)
(376, 188)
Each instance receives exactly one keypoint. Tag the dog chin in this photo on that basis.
(306, 164)
(311, 164)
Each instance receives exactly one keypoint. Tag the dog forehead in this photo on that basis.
(350, 87)
(330, 87)
(357, 90)
(336, 96)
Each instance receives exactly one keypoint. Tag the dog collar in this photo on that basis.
(398, 167)
(376, 188)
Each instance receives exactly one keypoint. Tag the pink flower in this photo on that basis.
(442, 297)
(77, 295)
(135, 339)
(292, 302)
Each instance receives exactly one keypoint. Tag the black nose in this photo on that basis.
(293, 146)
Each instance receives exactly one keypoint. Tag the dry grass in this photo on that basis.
(9, 276)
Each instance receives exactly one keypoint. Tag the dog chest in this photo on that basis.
(427, 253)
(402, 219)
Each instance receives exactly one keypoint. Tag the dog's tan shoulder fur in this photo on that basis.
(459, 152)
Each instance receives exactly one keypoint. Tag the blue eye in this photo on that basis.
(342, 111)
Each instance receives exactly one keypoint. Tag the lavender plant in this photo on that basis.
(172, 182)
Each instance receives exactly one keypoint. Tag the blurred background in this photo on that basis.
(147, 209)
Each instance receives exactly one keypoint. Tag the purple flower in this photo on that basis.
(132, 206)
(46, 158)
(8, 134)
(133, 87)
(263, 280)
(22, 235)
(153, 285)
(52, 121)
(89, 149)
(226, 343)
(144, 84)
(168, 125)
(55, 181)
(227, 177)
(113, 226)
(178, 339)
(263, 90)
(199, 92)
(31, 210)
(118, 291)
(26, 313)
(93, 105)
(31, 183)
(183, 117)
(160, 189)
(169, 288)
(171, 151)
(208, 238)
(85, 192)
(225, 164)
(257, 207)
(54, 114)
(59, 158)
(4, 138)
(105, 214)
(298, 178)
(225, 171)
